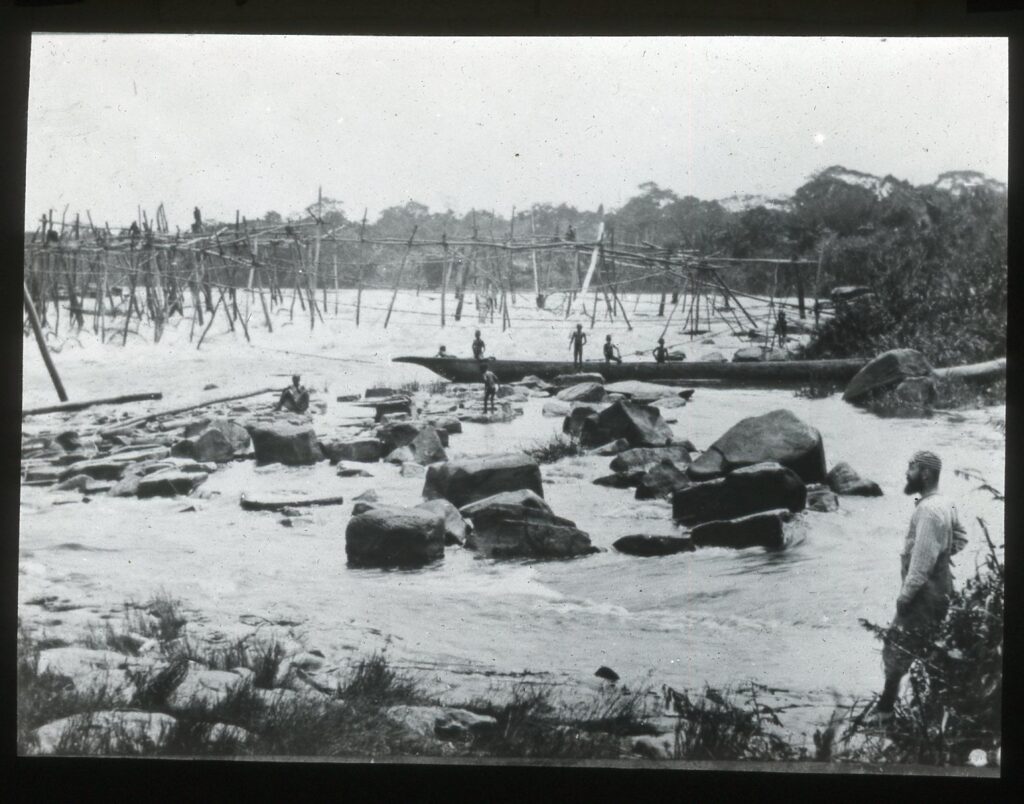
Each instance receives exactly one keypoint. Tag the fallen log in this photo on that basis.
(282, 503)
(975, 372)
(130, 423)
(68, 407)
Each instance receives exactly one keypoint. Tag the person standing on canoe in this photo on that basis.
(576, 340)
(478, 347)
(660, 352)
(490, 386)
(935, 536)
(611, 351)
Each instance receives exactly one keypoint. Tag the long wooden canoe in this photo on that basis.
(767, 373)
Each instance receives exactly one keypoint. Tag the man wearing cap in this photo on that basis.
(935, 535)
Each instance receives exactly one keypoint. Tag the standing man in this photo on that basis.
(490, 386)
(576, 340)
(478, 347)
(935, 536)
(660, 352)
(611, 351)
(781, 327)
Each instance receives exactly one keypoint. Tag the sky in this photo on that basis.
(259, 123)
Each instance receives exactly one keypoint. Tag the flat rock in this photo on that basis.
(446, 723)
(645, 458)
(762, 529)
(392, 536)
(582, 392)
(620, 480)
(283, 501)
(643, 545)
(289, 444)
(611, 448)
(565, 380)
(463, 481)
(117, 731)
(357, 450)
(640, 391)
(203, 687)
(843, 479)
(169, 483)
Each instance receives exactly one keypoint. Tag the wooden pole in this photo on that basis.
(130, 423)
(444, 280)
(398, 279)
(70, 407)
(359, 293)
(41, 343)
(334, 260)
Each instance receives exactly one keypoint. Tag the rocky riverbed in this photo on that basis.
(463, 621)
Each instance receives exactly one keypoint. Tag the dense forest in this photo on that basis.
(934, 255)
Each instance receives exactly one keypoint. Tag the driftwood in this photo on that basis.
(280, 504)
(68, 407)
(130, 423)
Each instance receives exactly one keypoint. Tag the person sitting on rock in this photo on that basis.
(295, 397)
(490, 386)
(478, 347)
(611, 351)
(660, 352)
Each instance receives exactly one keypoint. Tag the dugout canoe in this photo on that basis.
(767, 373)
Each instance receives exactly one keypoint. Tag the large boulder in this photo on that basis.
(582, 392)
(359, 450)
(290, 444)
(762, 529)
(645, 458)
(843, 479)
(661, 480)
(641, 425)
(426, 447)
(747, 490)
(392, 536)
(886, 371)
(643, 545)
(522, 525)
(463, 481)
(776, 436)
(455, 528)
(217, 440)
(573, 424)
(556, 407)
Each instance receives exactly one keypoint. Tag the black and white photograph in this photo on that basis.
(625, 400)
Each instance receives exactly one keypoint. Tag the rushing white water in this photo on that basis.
(787, 619)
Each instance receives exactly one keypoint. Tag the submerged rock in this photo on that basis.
(357, 450)
(643, 545)
(463, 481)
(640, 391)
(760, 487)
(169, 483)
(565, 380)
(611, 448)
(621, 480)
(762, 529)
(522, 525)
(776, 436)
(661, 480)
(644, 458)
(822, 499)
(843, 479)
(392, 536)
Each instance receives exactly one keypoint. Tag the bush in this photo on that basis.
(555, 449)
